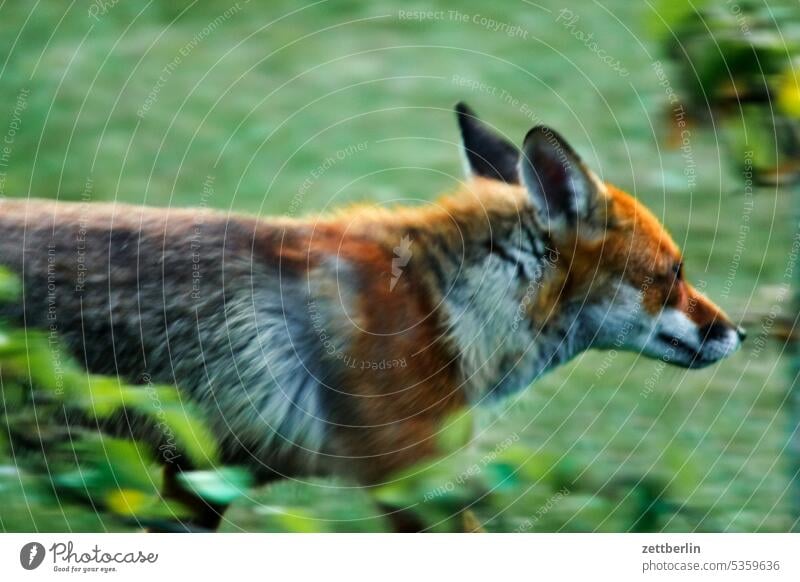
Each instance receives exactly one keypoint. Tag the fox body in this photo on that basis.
(338, 344)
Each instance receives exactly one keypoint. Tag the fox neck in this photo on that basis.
(487, 299)
(500, 351)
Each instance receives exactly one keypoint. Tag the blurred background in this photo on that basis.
(288, 108)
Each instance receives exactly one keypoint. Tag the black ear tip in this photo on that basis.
(487, 153)
(539, 130)
(464, 110)
(547, 137)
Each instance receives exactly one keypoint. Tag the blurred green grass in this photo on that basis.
(258, 107)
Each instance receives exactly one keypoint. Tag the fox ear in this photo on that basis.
(486, 152)
(564, 192)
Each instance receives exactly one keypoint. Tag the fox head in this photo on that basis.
(617, 279)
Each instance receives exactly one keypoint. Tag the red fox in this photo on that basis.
(338, 344)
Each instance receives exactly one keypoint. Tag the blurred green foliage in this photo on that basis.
(547, 491)
(59, 447)
(728, 50)
(737, 63)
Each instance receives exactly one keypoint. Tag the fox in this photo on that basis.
(336, 345)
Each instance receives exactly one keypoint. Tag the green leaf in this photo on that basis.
(502, 476)
(107, 463)
(191, 435)
(10, 287)
(221, 486)
(456, 431)
(294, 520)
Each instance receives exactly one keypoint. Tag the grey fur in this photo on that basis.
(119, 288)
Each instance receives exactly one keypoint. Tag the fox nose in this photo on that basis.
(716, 330)
(742, 333)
